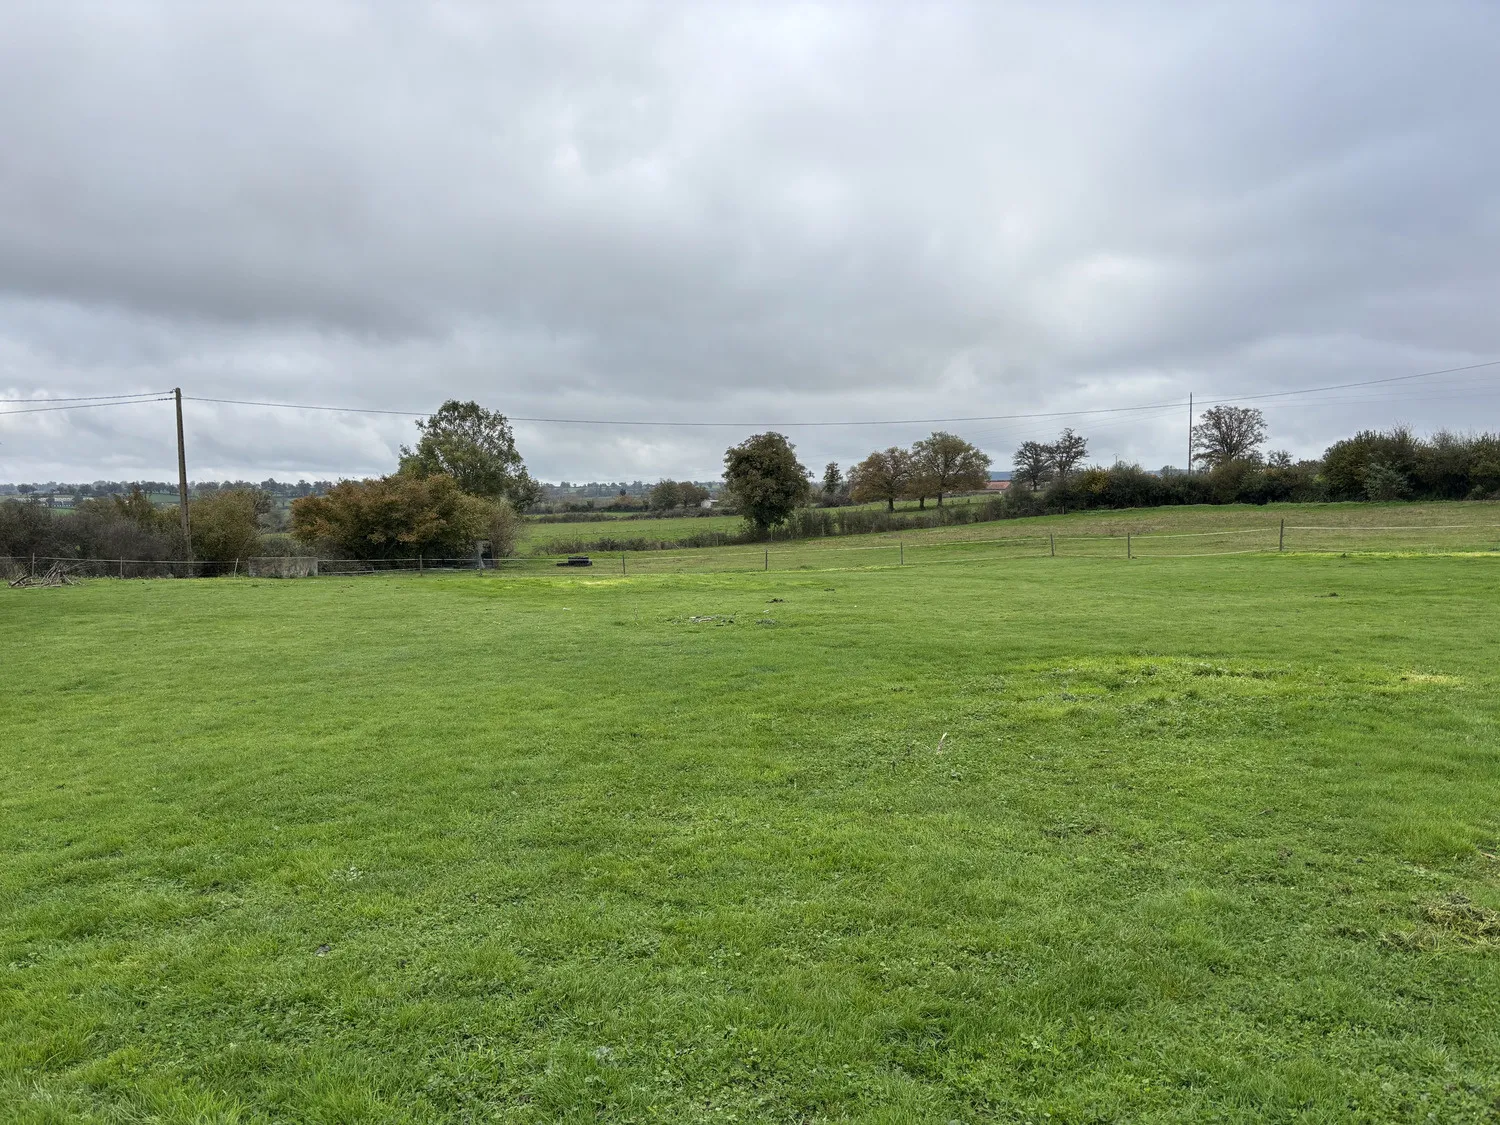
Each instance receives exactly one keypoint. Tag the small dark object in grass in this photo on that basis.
(324, 950)
(577, 560)
(778, 599)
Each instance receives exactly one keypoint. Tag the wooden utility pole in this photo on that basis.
(182, 490)
(1190, 434)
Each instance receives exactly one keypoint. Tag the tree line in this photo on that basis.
(1372, 465)
(282, 490)
(464, 482)
(226, 525)
(764, 480)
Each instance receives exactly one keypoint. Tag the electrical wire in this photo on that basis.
(86, 401)
(87, 398)
(876, 422)
(1361, 383)
(729, 425)
(82, 406)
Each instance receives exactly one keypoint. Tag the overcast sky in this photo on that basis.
(763, 215)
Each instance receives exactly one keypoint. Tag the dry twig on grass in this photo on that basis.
(57, 575)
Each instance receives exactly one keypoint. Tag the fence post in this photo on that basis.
(419, 564)
(122, 568)
(1127, 544)
(1052, 543)
(768, 558)
(1281, 538)
(902, 544)
(622, 563)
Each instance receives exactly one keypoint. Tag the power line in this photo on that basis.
(731, 425)
(866, 422)
(86, 398)
(1361, 383)
(87, 401)
(81, 405)
(335, 409)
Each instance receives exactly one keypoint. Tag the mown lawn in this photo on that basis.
(1189, 840)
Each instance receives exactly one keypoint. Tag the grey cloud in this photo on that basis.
(761, 212)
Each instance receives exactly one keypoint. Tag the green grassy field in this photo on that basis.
(1069, 839)
(669, 528)
(1154, 532)
(535, 534)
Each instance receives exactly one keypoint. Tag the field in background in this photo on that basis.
(1154, 532)
(1205, 839)
(534, 534)
(621, 525)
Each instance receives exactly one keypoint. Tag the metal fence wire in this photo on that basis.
(890, 550)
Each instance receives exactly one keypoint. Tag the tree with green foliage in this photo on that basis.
(1033, 463)
(1346, 463)
(833, 479)
(883, 475)
(1228, 433)
(399, 516)
(1067, 452)
(476, 448)
(665, 495)
(764, 479)
(949, 464)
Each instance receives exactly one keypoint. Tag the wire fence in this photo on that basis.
(891, 550)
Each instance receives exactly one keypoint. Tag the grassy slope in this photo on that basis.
(573, 857)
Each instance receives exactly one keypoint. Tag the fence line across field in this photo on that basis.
(1199, 534)
(897, 549)
(1397, 527)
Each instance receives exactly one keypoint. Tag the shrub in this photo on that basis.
(278, 545)
(226, 524)
(1383, 482)
(399, 516)
(505, 530)
(26, 528)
